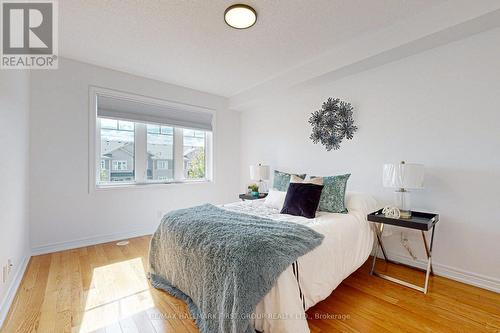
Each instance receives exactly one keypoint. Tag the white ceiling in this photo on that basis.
(186, 42)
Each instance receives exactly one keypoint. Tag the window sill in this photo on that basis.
(105, 187)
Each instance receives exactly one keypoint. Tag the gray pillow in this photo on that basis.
(281, 180)
(333, 195)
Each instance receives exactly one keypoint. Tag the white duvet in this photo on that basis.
(347, 244)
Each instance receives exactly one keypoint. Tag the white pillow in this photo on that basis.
(361, 202)
(275, 199)
(297, 179)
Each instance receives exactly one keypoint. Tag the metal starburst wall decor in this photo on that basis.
(332, 123)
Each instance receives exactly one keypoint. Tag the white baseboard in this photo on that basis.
(452, 273)
(73, 244)
(11, 292)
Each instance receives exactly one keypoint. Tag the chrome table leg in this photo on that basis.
(378, 233)
(428, 270)
(429, 259)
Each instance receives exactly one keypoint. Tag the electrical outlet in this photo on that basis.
(9, 266)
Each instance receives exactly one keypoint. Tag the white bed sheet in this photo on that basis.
(347, 244)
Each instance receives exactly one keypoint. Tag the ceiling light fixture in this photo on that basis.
(240, 16)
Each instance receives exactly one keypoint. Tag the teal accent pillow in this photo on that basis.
(333, 195)
(281, 180)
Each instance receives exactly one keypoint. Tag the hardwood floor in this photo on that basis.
(103, 288)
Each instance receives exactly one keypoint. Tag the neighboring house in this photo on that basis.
(117, 161)
(160, 162)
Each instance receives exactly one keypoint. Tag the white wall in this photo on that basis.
(440, 108)
(14, 231)
(62, 210)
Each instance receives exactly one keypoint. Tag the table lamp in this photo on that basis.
(260, 173)
(403, 176)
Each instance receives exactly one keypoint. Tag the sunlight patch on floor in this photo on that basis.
(117, 291)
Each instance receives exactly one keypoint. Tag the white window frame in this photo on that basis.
(140, 140)
(163, 163)
(119, 162)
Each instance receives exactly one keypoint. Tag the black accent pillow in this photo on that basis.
(302, 199)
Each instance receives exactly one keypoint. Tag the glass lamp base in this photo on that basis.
(403, 203)
(263, 188)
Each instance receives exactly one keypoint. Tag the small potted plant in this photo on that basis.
(254, 190)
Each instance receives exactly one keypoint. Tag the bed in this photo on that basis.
(347, 243)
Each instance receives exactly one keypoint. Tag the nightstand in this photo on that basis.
(418, 221)
(245, 196)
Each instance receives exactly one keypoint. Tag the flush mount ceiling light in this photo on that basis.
(240, 16)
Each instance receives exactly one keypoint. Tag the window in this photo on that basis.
(162, 165)
(160, 148)
(142, 140)
(117, 146)
(194, 154)
(119, 165)
(121, 153)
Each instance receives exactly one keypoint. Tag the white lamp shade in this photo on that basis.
(403, 175)
(259, 172)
